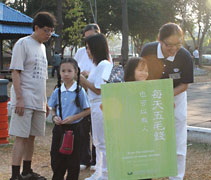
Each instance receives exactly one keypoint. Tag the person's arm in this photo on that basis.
(85, 74)
(16, 79)
(181, 88)
(47, 110)
(70, 119)
(86, 84)
(57, 120)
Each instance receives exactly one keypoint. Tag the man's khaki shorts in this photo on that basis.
(31, 123)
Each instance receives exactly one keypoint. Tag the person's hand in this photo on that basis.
(101, 107)
(47, 110)
(67, 120)
(19, 108)
(57, 120)
(82, 79)
(85, 74)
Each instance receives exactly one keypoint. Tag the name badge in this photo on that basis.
(175, 76)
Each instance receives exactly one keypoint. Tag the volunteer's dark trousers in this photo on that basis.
(60, 163)
(55, 68)
(85, 154)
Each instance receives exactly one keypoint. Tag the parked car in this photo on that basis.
(206, 59)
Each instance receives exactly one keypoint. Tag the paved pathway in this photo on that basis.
(199, 105)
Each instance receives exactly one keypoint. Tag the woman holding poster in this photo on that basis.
(168, 59)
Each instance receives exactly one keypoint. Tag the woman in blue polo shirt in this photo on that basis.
(168, 59)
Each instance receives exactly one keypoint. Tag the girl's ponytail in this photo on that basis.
(77, 100)
(59, 93)
(59, 81)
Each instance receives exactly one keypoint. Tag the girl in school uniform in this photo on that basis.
(73, 105)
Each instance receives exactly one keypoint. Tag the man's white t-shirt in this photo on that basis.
(96, 77)
(84, 62)
(196, 53)
(29, 56)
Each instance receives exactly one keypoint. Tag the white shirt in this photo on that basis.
(96, 77)
(84, 62)
(161, 56)
(29, 56)
(196, 53)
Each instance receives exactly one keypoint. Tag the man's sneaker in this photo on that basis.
(94, 176)
(33, 176)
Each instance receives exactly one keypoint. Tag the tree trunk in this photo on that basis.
(58, 43)
(124, 49)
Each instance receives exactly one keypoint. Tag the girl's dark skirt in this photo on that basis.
(60, 163)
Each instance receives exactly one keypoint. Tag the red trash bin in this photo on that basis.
(3, 112)
(3, 123)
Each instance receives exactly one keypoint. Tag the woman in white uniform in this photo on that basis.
(168, 59)
(97, 49)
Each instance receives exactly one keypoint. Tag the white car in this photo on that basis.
(206, 59)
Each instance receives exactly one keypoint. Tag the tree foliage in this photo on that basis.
(31, 7)
(73, 23)
(108, 15)
(195, 16)
(146, 17)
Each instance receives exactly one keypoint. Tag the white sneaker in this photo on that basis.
(102, 178)
(94, 176)
(83, 167)
(93, 168)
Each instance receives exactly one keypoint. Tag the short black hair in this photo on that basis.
(168, 30)
(98, 46)
(92, 26)
(42, 19)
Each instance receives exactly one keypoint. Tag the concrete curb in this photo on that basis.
(199, 134)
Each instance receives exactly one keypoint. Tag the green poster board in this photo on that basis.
(139, 129)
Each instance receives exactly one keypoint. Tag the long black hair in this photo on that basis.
(77, 69)
(98, 46)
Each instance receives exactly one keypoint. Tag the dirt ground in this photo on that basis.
(198, 156)
(198, 159)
